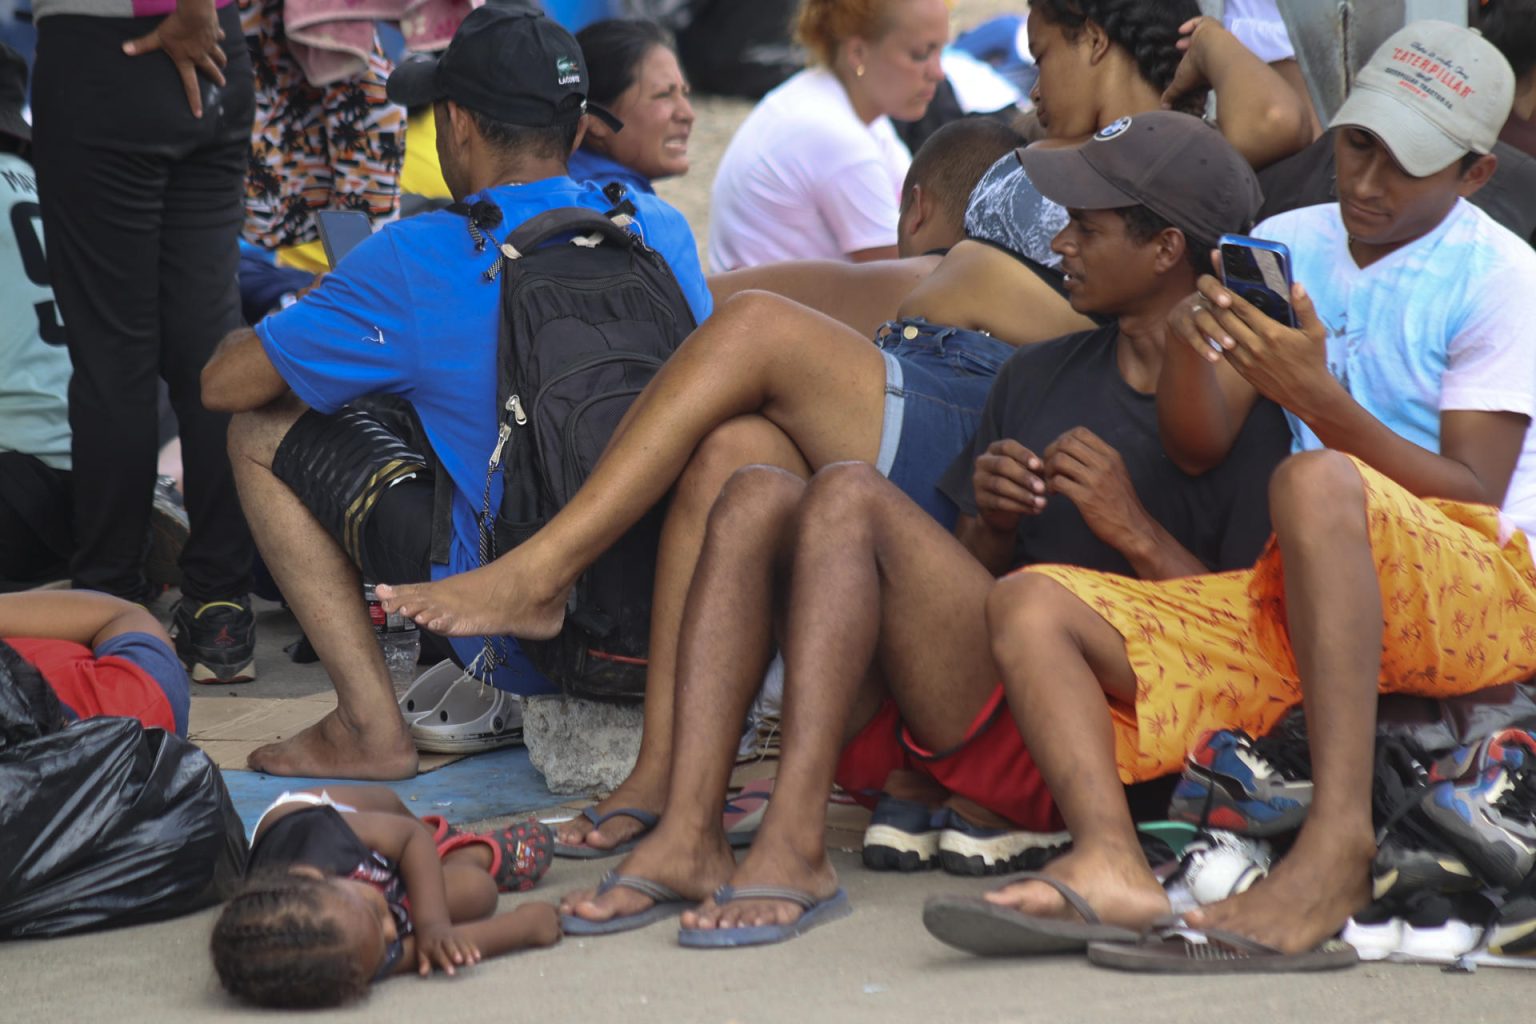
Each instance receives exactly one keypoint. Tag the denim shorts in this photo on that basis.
(936, 384)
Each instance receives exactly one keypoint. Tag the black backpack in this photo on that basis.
(585, 325)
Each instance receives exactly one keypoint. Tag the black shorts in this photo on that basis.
(371, 491)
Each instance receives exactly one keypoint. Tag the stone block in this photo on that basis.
(581, 746)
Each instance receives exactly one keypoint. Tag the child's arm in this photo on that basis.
(402, 839)
(530, 925)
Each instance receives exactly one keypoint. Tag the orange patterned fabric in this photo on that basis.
(1212, 652)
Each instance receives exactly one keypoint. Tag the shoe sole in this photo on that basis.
(208, 675)
(979, 857)
(890, 849)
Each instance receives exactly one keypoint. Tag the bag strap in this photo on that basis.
(566, 220)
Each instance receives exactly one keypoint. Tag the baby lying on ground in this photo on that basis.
(346, 887)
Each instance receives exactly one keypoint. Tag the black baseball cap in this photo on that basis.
(506, 63)
(13, 94)
(1174, 164)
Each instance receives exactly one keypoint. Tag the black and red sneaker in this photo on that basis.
(216, 640)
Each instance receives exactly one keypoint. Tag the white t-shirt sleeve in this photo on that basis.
(1491, 362)
(1259, 26)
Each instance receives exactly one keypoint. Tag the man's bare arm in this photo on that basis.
(240, 377)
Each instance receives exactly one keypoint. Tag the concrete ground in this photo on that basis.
(878, 965)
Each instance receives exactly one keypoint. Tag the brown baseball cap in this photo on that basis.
(1174, 164)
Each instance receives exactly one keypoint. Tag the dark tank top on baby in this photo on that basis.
(318, 837)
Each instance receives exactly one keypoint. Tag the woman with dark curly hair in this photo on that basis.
(636, 78)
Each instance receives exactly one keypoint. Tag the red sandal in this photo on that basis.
(442, 832)
(520, 853)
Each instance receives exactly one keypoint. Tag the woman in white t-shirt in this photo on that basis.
(815, 171)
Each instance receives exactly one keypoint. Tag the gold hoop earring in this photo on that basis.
(858, 72)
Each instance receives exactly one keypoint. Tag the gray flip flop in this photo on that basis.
(581, 851)
(986, 929)
(1183, 950)
(667, 902)
(813, 912)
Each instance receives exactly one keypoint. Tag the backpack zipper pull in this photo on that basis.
(501, 442)
(515, 406)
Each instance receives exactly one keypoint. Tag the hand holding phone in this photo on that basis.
(1260, 272)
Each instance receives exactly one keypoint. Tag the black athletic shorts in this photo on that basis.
(370, 490)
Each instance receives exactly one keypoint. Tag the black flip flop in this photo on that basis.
(986, 929)
(1180, 950)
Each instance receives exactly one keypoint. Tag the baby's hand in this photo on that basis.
(444, 948)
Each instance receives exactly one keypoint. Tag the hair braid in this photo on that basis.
(1148, 31)
(274, 945)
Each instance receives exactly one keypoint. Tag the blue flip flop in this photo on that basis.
(581, 851)
(668, 901)
(816, 912)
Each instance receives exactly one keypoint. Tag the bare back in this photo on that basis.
(979, 287)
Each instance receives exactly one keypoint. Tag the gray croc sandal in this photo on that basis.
(472, 717)
(986, 929)
(666, 903)
(1180, 950)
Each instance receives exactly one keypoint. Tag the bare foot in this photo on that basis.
(330, 749)
(1307, 898)
(769, 862)
(693, 865)
(1118, 886)
(500, 599)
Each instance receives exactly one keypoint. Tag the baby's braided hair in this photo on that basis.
(1147, 30)
(275, 945)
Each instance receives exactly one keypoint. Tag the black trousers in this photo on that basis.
(141, 207)
(35, 535)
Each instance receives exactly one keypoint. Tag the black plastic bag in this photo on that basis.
(104, 822)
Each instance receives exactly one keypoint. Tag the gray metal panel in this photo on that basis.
(1334, 37)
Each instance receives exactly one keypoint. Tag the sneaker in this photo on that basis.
(903, 835)
(1490, 818)
(168, 532)
(1404, 865)
(1514, 931)
(1427, 926)
(1239, 784)
(216, 640)
(975, 851)
(1217, 865)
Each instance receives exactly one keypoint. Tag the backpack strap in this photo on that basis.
(566, 220)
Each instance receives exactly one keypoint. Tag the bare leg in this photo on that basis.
(725, 645)
(817, 380)
(1059, 660)
(1334, 615)
(365, 737)
(746, 440)
(882, 597)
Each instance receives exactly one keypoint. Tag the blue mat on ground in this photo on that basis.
(483, 786)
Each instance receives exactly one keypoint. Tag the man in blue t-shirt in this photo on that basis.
(409, 314)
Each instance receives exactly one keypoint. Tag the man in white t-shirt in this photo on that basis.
(805, 178)
(1392, 569)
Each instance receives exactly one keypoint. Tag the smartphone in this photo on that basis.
(341, 231)
(1259, 271)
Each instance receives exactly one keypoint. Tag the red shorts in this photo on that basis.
(990, 766)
